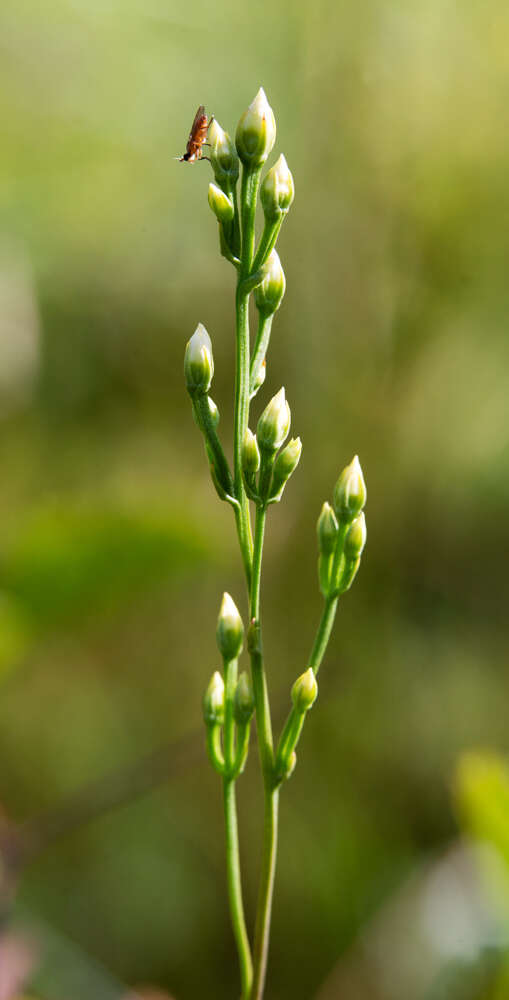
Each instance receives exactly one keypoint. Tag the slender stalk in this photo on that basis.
(262, 930)
(260, 346)
(265, 742)
(241, 421)
(323, 633)
(235, 887)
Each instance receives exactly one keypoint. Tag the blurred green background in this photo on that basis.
(114, 551)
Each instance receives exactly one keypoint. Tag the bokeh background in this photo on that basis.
(114, 550)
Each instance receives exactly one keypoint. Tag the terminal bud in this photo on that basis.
(268, 295)
(286, 462)
(327, 530)
(243, 701)
(198, 362)
(250, 454)
(256, 132)
(230, 630)
(356, 538)
(213, 701)
(304, 691)
(224, 159)
(221, 204)
(277, 190)
(274, 423)
(350, 492)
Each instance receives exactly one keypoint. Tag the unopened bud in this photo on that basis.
(213, 412)
(286, 462)
(224, 159)
(269, 293)
(213, 701)
(230, 630)
(304, 691)
(356, 538)
(277, 191)
(274, 423)
(256, 132)
(221, 204)
(350, 492)
(250, 454)
(258, 378)
(243, 701)
(198, 362)
(327, 530)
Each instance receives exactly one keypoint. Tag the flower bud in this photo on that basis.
(258, 379)
(256, 132)
(213, 412)
(213, 701)
(350, 492)
(269, 293)
(274, 423)
(304, 691)
(224, 159)
(250, 454)
(230, 630)
(198, 362)
(327, 530)
(356, 538)
(277, 190)
(243, 701)
(221, 204)
(286, 462)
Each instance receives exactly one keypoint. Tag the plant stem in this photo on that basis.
(264, 729)
(323, 633)
(262, 930)
(241, 420)
(235, 887)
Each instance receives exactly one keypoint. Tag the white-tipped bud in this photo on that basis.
(198, 362)
(221, 204)
(224, 159)
(304, 691)
(269, 293)
(356, 538)
(327, 530)
(277, 190)
(243, 701)
(214, 412)
(286, 463)
(256, 132)
(274, 423)
(213, 701)
(230, 630)
(250, 454)
(350, 492)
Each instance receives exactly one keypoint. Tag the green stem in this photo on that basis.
(267, 241)
(323, 633)
(263, 915)
(235, 887)
(241, 421)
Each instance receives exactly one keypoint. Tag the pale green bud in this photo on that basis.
(243, 701)
(256, 132)
(259, 378)
(230, 630)
(213, 701)
(327, 530)
(250, 454)
(286, 462)
(224, 159)
(350, 492)
(214, 412)
(221, 204)
(277, 190)
(274, 423)
(356, 538)
(198, 362)
(304, 691)
(269, 293)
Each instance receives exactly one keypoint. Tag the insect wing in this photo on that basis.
(197, 119)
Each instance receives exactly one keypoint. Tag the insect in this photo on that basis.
(197, 136)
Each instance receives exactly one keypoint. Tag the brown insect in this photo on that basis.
(197, 137)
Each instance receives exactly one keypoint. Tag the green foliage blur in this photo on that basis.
(114, 550)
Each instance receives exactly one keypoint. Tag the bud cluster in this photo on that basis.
(260, 454)
(342, 532)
